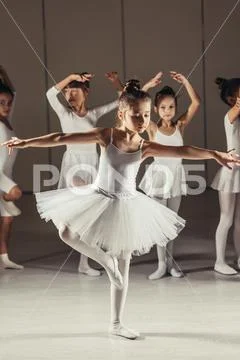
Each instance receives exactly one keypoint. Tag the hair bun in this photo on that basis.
(220, 82)
(167, 90)
(132, 85)
(164, 92)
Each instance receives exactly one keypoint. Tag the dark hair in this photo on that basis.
(164, 92)
(228, 88)
(4, 89)
(79, 84)
(131, 94)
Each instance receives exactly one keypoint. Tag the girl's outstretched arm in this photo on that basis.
(97, 136)
(185, 119)
(152, 149)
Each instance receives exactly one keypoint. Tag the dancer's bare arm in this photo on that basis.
(97, 135)
(152, 149)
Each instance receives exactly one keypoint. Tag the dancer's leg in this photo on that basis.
(173, 204)
(236, 230)
(118, 299)
(227, 206)
(161, 253)
(85, 268)
(8, 208)
(5, 233)
(109, 262)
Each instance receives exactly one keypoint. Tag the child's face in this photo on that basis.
(166, 108)
(137, 116)
(5, 104)
(76, 96)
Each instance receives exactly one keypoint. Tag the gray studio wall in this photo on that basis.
(27, 74)
(134, 37)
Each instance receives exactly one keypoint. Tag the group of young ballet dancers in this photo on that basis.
(101, 214)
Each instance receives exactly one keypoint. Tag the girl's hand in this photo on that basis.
(227, 159)
(178, 77)
(237, 104)
(81, 78)
(112, 76)
(155, 81)
(14, 143)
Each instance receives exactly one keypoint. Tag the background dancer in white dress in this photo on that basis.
(80, 161)
(104, 220)
(9, 190)
(165, 179)
(228, 182)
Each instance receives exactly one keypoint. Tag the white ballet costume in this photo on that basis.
(165, 177)
(108, 214)
(165, 181)
(227, 183)
(80, 161)
(7, 208)
(106, 221)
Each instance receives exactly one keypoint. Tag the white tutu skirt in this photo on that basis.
(227, 180)
(162, 181)
(117, 223)
(78, 168)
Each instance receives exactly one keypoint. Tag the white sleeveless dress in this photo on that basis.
(110, 213)
(6, 168)
(80, 161)
(165, 177)
(227, 180)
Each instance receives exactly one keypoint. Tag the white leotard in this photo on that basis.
(227, 180)
(6, 161)
(79, 160)
(6, 167)
(165, 177)
(110, 213)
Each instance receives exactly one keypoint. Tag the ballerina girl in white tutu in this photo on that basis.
(9, 190)
(226, 181)
(109, 220)
(80, 161)
(164, 179)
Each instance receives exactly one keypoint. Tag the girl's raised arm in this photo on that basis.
(153, 82)
(234, 112)
(52, 93)
(113, 77)
(185, 119)
(73, 77)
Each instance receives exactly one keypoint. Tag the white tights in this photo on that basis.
(165, 255)
(229, 214)
(118, 279)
